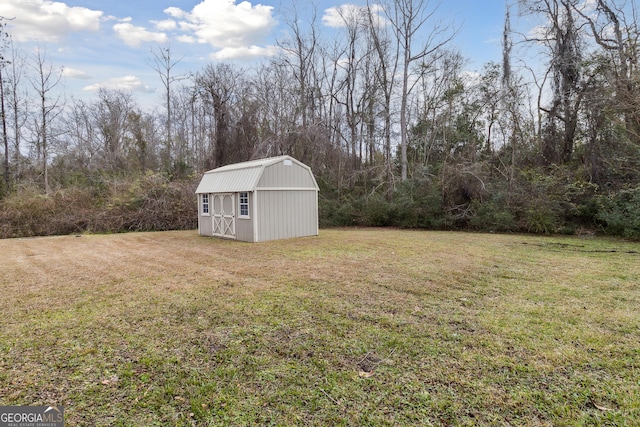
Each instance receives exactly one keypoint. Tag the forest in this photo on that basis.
(545, 139)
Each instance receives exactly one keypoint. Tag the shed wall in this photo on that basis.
(205, 224)
(279, 175)
(283, 214)
(244, 230)
(244, 227)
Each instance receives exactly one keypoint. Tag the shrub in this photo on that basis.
(148, 203)
(154, 203)
(542, 220)
(378, 212)
(494, 214)
(28, 212)
(620, 213)
(551, 200)
(418, 204)
(335, 212)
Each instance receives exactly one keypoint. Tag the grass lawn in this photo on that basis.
(353, 327)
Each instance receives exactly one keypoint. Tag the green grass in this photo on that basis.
(354, 327)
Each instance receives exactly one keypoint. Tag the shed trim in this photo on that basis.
(255, 223)
(286, 189)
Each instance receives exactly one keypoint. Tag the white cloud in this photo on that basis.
(73, 73)
(175, 12)
(47, 21)
(134, 36)
(544, 30)
(539, 32)
(589, 5)
(341, 16)
(187, 39)
(244, 52)
(126, 83)
(471, 77)
(235, 29)
(165, 25)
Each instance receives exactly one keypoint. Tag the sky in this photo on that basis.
(110, 44)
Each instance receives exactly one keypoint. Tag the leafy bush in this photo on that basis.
(335, 212)
(542, 220)
(620, 213)
(552, 200)
(378, 212)
(494, 214)
(419, 205)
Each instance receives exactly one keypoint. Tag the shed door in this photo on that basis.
(224, 215)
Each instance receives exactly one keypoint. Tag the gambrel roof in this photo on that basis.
(246, 176)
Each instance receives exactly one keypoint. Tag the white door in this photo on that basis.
(223, 215)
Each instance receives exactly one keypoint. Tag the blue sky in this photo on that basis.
(109, 43)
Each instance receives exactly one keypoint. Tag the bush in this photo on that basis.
(494, 214)
(155, 203)
(552, 200)
(27, 212)
(542, 219)
(418, 204)
(335, 213)
(378, 212)
(620, 213)
(148, 203)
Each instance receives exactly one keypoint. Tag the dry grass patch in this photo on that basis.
(354, 327)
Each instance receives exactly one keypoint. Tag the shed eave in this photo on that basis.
(229, 180)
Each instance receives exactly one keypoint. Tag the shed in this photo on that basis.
(259, 200)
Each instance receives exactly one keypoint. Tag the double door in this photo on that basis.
(224, 215)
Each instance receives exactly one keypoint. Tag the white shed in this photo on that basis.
(259, 200)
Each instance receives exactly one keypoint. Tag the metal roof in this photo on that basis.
(238, 176)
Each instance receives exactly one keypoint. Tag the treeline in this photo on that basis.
(395, 129)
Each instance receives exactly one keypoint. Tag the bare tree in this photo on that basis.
(614, 26)
(219, 85)
(141, 135)
(408, 19)
(191, 120)
(44, 83)
(18, 104)
(491, 98)
(185, 129)
(442, 110)
(384, 76)
(163, 64)
(4, 36)
(111, 114)
(301, 55)
(562, 39)
(348, 60)
(81, 130)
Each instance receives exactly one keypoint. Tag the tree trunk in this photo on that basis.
(5, 138)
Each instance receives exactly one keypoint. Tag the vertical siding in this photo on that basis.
(205, 225)
(289, 213)
(280, 176)
(244, 230)
(244, 227)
